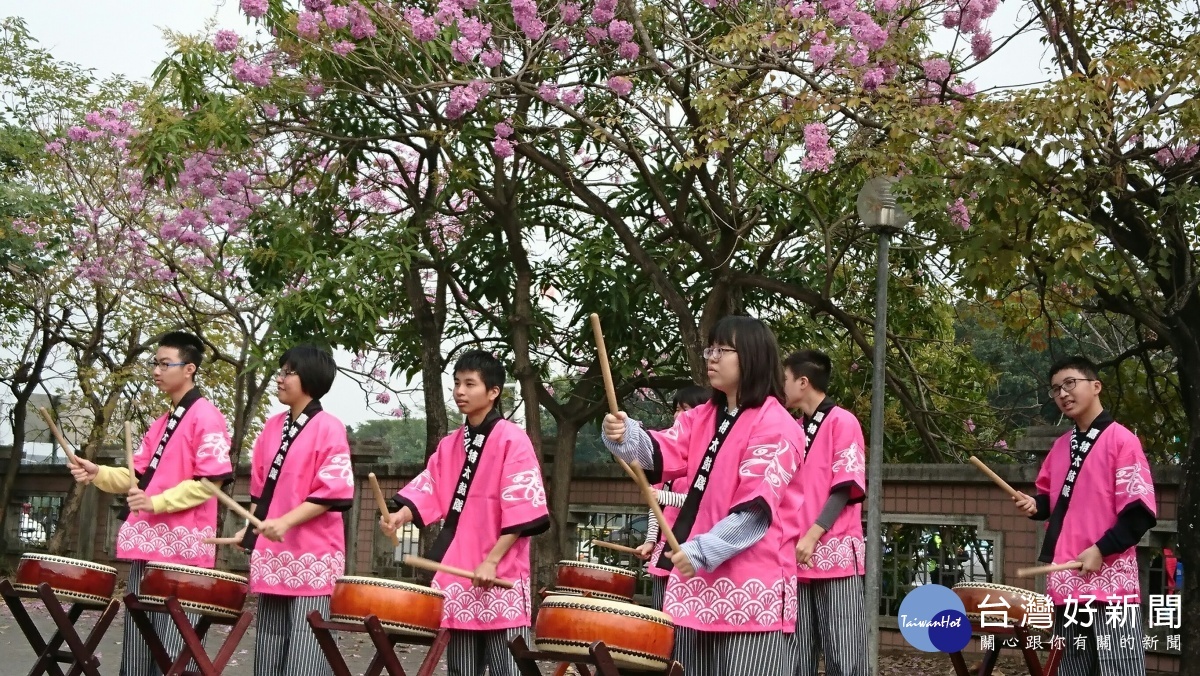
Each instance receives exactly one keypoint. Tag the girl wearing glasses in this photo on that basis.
(300, 482)
(732, 587)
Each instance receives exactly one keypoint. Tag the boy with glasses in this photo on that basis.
(1096, 492)
(168, 516)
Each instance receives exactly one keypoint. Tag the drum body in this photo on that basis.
(71, 579)
(580, 576)
(981, 597)
(402, 608)
(199, 590)
(638, 638)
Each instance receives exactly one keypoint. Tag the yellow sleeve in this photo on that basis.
(186, 495)
(112, 479)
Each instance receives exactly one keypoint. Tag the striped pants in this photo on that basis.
(136, 659)
(284, 643)
(716, 653)
(469, 652)
(1102, 649)
(658, 591)
(831, 619)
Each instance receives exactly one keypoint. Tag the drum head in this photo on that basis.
(78, 563)
(595, 566)
(193, 570)
(608, 606)
(389, 584)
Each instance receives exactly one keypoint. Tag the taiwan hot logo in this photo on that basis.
(933, 619)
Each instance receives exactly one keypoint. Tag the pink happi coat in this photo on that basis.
(835, 459)
(1114, 476)
(198, 449)
(669, 513)
(506, 496)
(316, 469)
(756, 589)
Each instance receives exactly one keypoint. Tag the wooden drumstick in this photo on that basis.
(57, 435)
(382, 504)
(233, 505)
(995, 477)
(613, 546)
(418, 562)
(1054, 568)
(129, 454)
(613, 407)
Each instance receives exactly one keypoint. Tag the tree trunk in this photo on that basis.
(556, 544)
(1187, 351)
(20, 413)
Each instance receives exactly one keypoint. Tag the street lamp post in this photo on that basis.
(877, 209)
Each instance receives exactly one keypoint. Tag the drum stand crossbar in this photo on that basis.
(385, 646)
(80, 653)
(598, 656)
(1032, 661)
(193, 637)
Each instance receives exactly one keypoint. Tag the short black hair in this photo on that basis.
(812, 364)
(758, 356)
(191, 348)
(1078, 362)
(314, 366)
(490, 369)
(690, 396)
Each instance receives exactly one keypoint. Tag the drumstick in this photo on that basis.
(382, 504)
(418, 562)
(222, 541)
(233, 505)
(1054, 568)
(635, 472)
(995, 477)
(57, 435)
(129, 454)
(613, 546)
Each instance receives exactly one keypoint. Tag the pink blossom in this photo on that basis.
(950, 18)
(859, 57)
(620, 31)
(462, 100)
(965, 89)
(620, 85)
(226, 41)
(601, 16)
(562, 45)
(423, 28)
(886, 6)
(525, 15)
(400, 412)
(254, 8)
(569, 12)
(308, 25)
(77, 133)
(343, 47)
(503, 148)
(821, 54)
(1002, 444)
(872, 79)
(503, 129)
(491, 58)
(1166, 157)
(818, 155)
(594, 35)
(573, 96)
(958, 214)
(936, 70)
(970, 425)
(383, 397)
(981, 45)
(628, 50)
(803, 10)
(361, 25)
(869, 33)
(337, 18)
(548, 93)
(315, 5)
(475, 30)
(259, 76)
(464, 50)
(270, 111)
(314, 89)
(54, 147)
(447, 12)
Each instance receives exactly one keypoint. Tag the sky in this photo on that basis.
(126, 37)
